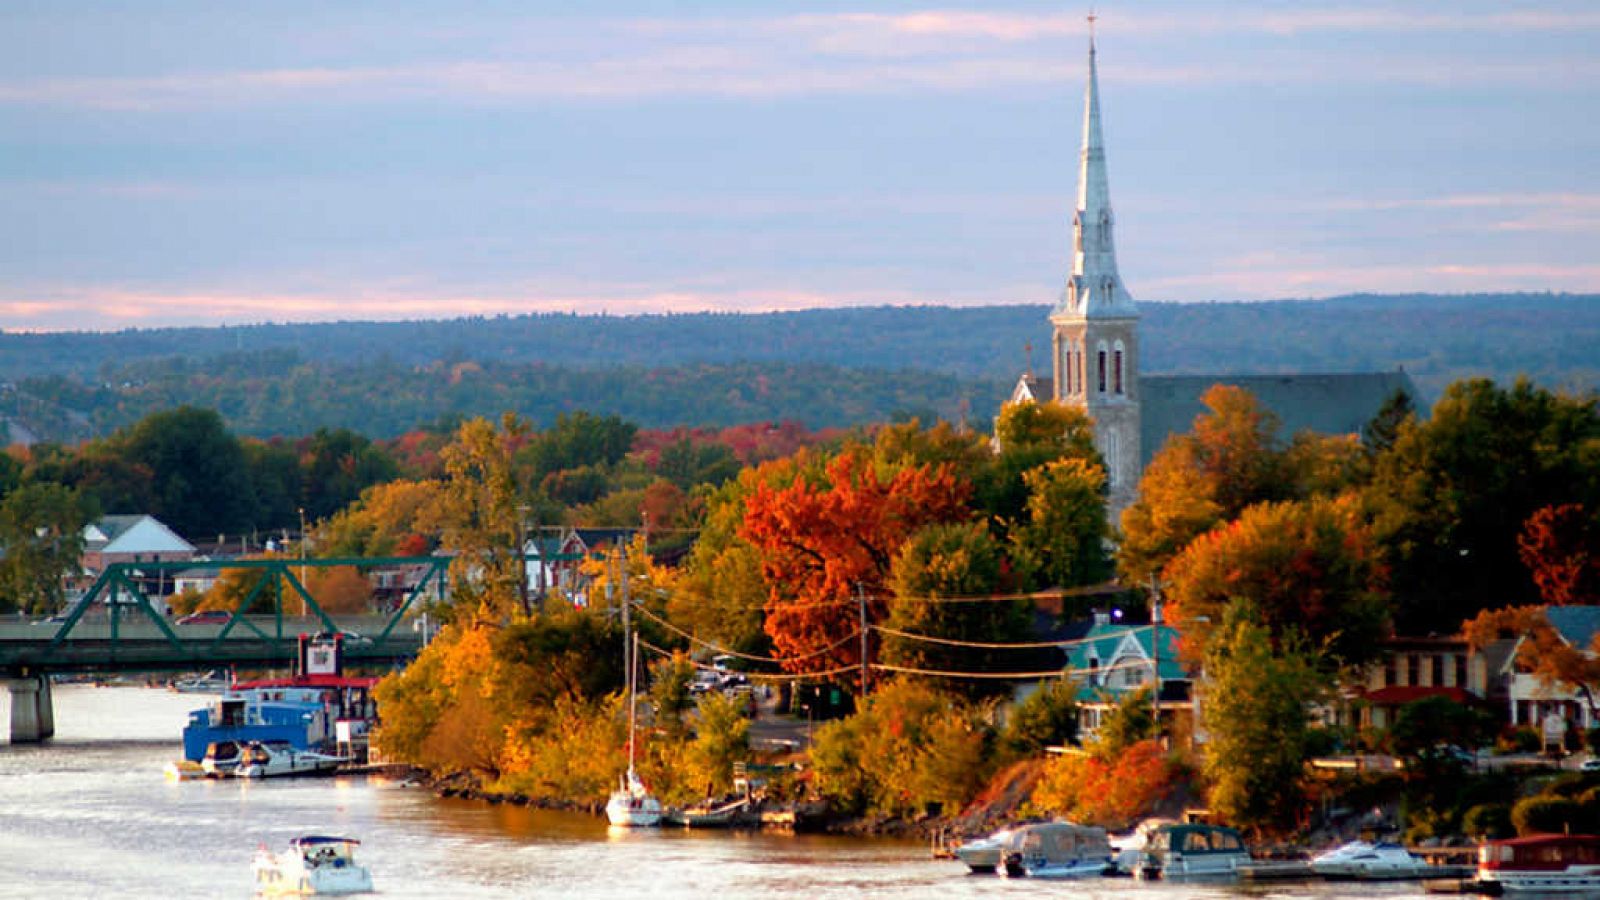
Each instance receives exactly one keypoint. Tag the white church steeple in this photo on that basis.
(1094, 289)
(1096, 324)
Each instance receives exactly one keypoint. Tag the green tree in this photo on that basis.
(1048, 717)
(41, 541)
(1031, 435)
(1132, 720)
(942, 579)
(578, 439)
(1256, 712)
(199, 478)
(1453, 492)
(1063, 540)
(1424, 728)
(722, 738)
(338, 464)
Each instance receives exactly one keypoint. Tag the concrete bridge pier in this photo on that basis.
(33, 716)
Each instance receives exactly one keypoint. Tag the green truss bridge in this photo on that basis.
(116, 628)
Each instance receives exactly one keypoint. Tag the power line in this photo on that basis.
(728, 652)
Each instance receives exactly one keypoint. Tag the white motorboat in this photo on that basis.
(1057, 850)
(1367, 861)
(983, 855)
(313, 864)
(632, 805)
(274, 759)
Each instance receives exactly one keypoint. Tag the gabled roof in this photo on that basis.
(1576, 624)
(132, 534)
(1107, 645)
(1033, 388)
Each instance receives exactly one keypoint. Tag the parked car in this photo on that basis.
(1592, 764)
(206, 617)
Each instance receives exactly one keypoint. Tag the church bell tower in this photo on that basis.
(1095, 347)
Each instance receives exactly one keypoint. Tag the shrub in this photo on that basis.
(1547, 815)
(1049, 716)
(1110, 791)
(907, 749)
(1488, 821)
(1519, 740)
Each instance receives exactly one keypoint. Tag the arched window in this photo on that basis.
(1101, 360)
(1105, 229)
(1066, 374)
(1116, 368)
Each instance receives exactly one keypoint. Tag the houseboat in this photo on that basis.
(1542, 864)
(319, 709)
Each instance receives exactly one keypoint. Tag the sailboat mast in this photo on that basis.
(630, 652)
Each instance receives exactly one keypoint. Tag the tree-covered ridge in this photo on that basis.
(278, 393)
(714, 368)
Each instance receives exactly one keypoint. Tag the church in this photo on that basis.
(1094, 350)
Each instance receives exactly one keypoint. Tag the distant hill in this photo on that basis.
(824, 367)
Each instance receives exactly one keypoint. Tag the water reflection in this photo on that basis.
(91, 815)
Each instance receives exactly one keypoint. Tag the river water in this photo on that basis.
(90, 815)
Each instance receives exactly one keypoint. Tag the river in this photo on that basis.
(90, 815)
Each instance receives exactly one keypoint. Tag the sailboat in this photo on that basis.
(632, 805)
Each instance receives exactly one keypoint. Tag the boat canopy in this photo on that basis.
(312, 840)
(1194, 838)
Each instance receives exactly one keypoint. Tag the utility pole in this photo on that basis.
(1155, 653)
(627, 618)
(303, 588)
(522, 564)
(861, 606)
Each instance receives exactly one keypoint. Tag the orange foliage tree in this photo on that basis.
(1114, 791)
(1311, 567)
(1560, 545)
(819, 543)
(1543, 651)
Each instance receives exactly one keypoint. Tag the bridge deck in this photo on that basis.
(139, 645)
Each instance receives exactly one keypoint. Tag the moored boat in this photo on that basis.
(632, 805)
(1056, 850)
(1192, 850)
(277, 759)
(983, 855)
(1368, 861)
(184, 770)
(1542, 864)
(313, 864)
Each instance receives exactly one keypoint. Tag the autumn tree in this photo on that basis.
(387, 520)
(1230, 460)
(821, 544)
(942, 579)
(1309, 568)
(1560, 545)
(1259, 690)
(1542, 649)
(340, 589)
(480, 519)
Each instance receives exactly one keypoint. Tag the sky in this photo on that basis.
(205, 163)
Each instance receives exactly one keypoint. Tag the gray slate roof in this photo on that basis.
(1327, 403)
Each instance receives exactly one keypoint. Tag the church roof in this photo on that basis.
(1327, 403)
